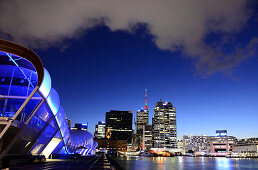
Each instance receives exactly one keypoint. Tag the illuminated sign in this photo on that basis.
(221, 133)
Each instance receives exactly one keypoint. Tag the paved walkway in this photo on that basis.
(91, 163)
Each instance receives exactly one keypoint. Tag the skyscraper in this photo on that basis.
(164, 126)
(147, 136)
(142, 120)
(120, 124)
(100, 130)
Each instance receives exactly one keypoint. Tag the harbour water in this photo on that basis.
(186, 163)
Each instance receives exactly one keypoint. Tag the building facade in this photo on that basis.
(100, 130)
(120, 125)
(221, 144)
(245, 150)
(147, 136)
(196, 144)
(164, 126)
(142, 119)
(249, 141)
(109, 144)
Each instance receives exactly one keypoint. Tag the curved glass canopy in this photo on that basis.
(41, 121)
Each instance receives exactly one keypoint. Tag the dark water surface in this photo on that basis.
(186, 163)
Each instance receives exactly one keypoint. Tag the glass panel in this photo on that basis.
(14, 60)
(30, 106)
(4, 87)
(36, 124)
(66, 133)
(20, 78)
(44, 112)
(2, 101)
(53, 124)
(60, 117)
(62, 150)
(6, 71)
(53, 101)
(12, 106)
(58, 135)
(21, 82)
(46, 136)
(58, 148)
(5, 78)
(32, 129)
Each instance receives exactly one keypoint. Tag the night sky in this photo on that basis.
(208, 71)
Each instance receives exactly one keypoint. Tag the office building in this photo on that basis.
(109, 144)
(142, 120)
(100, 130)
(221, 144)
(147, 136)
(164, 126)
(245, 150)
(248, 141)
(120, 125)
(196, 144)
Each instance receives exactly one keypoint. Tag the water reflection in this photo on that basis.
(224, 163)
(186, 163)
(160, 159)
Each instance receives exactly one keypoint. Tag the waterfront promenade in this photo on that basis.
(89, 162)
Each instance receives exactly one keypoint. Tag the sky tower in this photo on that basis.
(142, 121)
(146, 105)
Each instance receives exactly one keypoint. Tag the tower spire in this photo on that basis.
(146, 105)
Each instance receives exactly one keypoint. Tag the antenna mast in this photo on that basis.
(145, 106)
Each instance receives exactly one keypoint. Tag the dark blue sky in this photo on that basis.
(103, 70)
(202, 57)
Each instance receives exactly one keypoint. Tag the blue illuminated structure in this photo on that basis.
(31, 118)
(221, 133)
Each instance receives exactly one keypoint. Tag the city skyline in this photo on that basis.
(209, 73)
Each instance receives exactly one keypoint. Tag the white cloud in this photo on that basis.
(174, 23)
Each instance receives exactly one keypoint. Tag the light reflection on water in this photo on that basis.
(224, 163)
(186, 163)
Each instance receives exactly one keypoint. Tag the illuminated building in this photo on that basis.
(32, 120)
(248, 141)
(180, 144)
(196, 144)
(120, 125)
(142, 120)
(81, 126)
(100, 130)
(245, 150)
(221, 144)
(109, 144)
(147, 136)
(164, 126)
